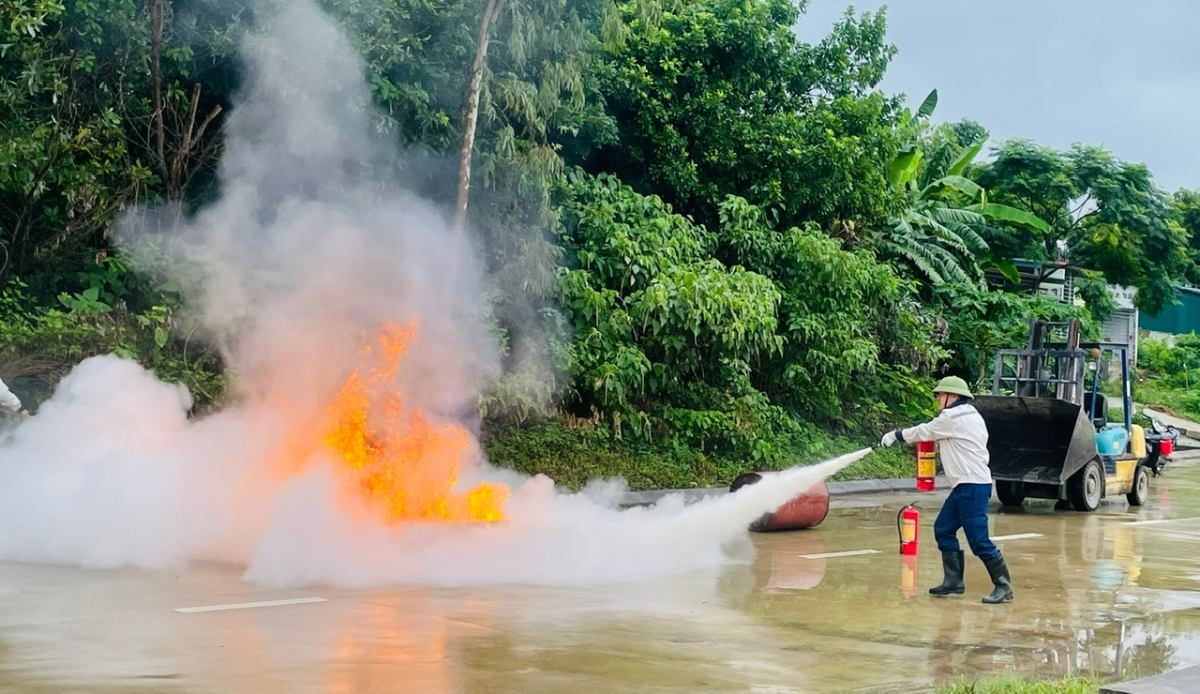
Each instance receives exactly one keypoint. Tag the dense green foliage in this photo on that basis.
(980, 323)
(720, 98)
(712, 245)
(672, 343)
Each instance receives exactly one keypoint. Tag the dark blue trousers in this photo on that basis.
(966, 508)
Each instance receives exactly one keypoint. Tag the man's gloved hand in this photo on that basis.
(888, 439)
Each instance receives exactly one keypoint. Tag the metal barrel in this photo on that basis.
(805, 510)
(1043, 440)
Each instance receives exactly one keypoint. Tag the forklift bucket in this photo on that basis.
(1041, 440)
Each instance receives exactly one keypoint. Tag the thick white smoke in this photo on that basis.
(306, 250)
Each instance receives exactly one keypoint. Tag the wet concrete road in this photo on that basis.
(1112, 594)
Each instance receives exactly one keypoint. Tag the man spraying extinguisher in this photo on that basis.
(961, 437)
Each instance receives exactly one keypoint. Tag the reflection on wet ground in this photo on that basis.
(1110, 594)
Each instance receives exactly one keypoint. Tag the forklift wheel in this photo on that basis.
(1086, 487)
(1141, 487)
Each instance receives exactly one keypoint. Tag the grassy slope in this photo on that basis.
(573, 456)
(1070, 685)
(1179, 402)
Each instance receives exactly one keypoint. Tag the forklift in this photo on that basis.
(1048, 431)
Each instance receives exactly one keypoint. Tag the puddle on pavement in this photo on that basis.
(1096, 596)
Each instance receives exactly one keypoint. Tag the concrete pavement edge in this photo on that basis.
(652, 496)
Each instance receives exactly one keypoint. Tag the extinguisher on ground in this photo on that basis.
(908, 523)
(926, 466)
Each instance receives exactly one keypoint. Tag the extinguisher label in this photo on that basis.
(908, 530)
(926, 466)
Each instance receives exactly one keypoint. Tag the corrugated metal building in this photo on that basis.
(1122, 326)
(1179, 319)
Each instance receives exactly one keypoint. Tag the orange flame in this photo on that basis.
(407, 467)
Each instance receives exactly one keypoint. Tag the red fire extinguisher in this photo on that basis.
(908, 523)
(926, 466)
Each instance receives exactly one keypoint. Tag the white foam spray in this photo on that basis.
(308, 248)
(550, 538)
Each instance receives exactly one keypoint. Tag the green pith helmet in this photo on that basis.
(955, 385)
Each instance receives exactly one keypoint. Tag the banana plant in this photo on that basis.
(938, 232)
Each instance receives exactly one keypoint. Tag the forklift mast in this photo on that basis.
(1047, 367)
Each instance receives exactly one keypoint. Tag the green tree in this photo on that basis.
(1105, 215)
(102, 105)
(493, 89)
(1185, 207)
(64, 164)
(718, 97)
(530, 87)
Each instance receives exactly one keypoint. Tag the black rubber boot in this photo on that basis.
(952, 567)
(998, 570)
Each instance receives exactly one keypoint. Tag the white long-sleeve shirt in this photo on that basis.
(8, 400)
(962, 437)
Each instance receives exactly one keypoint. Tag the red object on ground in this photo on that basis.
(908, 523)
(805, 510)
(926, 466)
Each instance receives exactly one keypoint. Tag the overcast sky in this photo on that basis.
(1121, 73)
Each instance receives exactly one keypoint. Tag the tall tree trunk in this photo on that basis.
(471, 112)
(156, 36)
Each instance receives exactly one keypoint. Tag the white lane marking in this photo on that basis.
(830, 555)
(246, 605)
(1022, 536)
(1160, 521)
